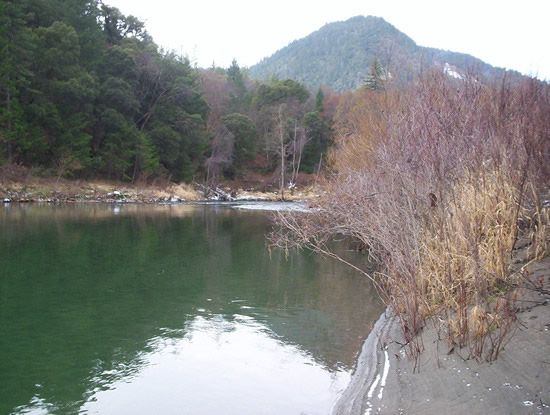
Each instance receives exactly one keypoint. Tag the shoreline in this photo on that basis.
(91, 192)
(446, 381)
(370, 375)
(20, 185)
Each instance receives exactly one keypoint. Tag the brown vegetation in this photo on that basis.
(438, 183)
(21, 184)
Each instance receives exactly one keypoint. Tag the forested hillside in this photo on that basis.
(85, 92)
(339, 55)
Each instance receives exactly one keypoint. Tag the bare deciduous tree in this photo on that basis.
(221, 157)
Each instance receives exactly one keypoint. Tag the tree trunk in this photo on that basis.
(135, 168)
(300, 152)
(283, 155)
(293, 178)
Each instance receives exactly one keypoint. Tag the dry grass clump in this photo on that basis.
(466, 244)
(184, 191)
(539, 235)
(465, 269)
(437, 187)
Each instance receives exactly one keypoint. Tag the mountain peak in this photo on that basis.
(339, 55)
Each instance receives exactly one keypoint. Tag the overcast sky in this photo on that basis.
(510, 34)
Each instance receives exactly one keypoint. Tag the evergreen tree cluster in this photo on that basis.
(84, 90)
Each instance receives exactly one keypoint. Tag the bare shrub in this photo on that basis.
(434, 183)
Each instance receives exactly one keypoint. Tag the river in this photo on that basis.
(172, 309)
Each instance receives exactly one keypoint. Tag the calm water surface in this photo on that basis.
(170, 310)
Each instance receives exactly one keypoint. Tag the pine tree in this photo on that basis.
(320, 101)
(375, 79)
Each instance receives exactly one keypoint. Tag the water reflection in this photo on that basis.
(223, 366)
(97, 306)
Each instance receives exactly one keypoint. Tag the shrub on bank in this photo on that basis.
(437, 183)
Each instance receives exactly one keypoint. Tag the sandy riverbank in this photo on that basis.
(518, 382)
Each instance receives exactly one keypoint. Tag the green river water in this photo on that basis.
(175, 309)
